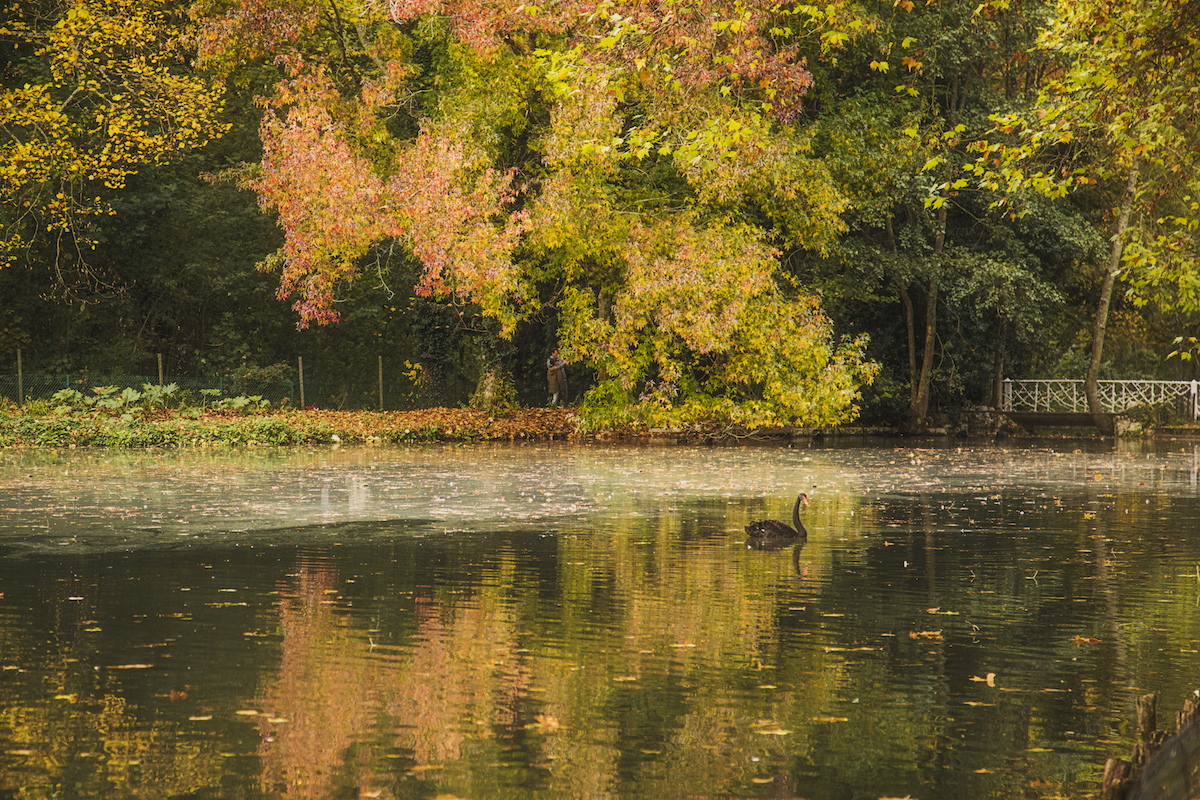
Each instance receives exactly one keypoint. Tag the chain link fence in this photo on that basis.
(388, 387)
(355, 395)
(24, 388)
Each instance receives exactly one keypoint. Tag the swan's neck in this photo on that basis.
(796, 517)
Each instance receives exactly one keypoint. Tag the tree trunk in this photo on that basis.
(909, 321)
(1091, 386)
(910, 324)
(998, 380)
(921, 404)
(920, 407)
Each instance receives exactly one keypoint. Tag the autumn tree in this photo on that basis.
(1122, 115)
(898, 112)
(631, 167)
(90, 92)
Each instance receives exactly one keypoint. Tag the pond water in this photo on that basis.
(585, 621)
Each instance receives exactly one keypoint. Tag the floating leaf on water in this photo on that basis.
(1079, 640)
(990, 680)
(132, 666)
(773, 732)
(276, 720)
(977, 703)
(830, 719)
(18, 752)
(925, 634)
(762, 780)
(201, 718)
(71, 697)
(626, 678)
(983, 770)
(768, 686)
(419, 768)
(544, 724)
(247, 712)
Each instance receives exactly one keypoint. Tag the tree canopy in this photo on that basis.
(92, 92)
(707, 205)
(631, 168)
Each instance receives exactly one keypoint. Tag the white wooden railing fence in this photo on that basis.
(1115, 396)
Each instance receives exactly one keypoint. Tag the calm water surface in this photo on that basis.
(586, 621)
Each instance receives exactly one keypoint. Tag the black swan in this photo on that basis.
(773, 529)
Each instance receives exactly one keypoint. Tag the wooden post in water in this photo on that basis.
(300, 359)
(160, 371)
(381, 383)
(1163, 766)
(20, 380)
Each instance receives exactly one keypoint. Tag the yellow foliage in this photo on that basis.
(110, 95)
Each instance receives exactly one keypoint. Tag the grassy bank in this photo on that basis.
(25, 428)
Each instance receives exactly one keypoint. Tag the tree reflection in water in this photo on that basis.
(960, 623)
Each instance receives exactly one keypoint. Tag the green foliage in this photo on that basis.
(152, 397)
(1125, 105)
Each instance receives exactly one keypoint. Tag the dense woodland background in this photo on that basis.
(879, 208)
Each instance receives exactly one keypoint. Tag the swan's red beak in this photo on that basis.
(804, 500)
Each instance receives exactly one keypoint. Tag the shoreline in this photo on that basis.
(174, 428)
